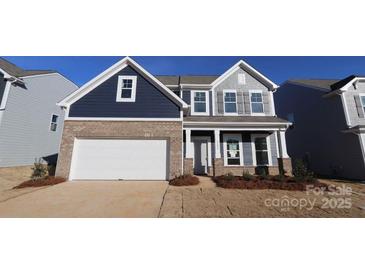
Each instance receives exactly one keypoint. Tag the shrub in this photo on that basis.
(301, 172)
(184, 180)
(247, 176)
(279, 178)
(39, 170)
(229, 176)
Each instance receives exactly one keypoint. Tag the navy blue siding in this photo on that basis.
(2, 86)
(101, 102)
(186, 96)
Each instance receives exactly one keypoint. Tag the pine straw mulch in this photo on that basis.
(184, 180)
(47, 181)
(268, 182)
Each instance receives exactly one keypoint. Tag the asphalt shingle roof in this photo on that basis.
(16, 71)
(235, 119)
(187, 79)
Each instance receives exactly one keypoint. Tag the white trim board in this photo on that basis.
(121, 119)
(102, 77)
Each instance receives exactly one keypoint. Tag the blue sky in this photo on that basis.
(278, 69)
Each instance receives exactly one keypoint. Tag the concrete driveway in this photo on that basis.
(89, 199)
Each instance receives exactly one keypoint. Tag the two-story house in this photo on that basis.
(129, 124)
(328, 130)
(30, 121)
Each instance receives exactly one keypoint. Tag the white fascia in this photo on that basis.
(92, 84)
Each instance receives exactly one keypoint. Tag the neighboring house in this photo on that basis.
(30, 121)
(129, 124)
(328, 130)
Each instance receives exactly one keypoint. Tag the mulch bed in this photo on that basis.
(184, 180)
(47, 181)
(287, 183)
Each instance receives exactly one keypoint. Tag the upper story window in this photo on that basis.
(54, 121)
(230, 101)
(126, 89)
(257, 104)
(199, 102)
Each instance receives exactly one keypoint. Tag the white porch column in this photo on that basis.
(217, 144)
(282, 145)
(189, 153)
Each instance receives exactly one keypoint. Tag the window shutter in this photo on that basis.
(240, 102)
(360, 111)
(220, 102)
(246, 101)
(266, 101)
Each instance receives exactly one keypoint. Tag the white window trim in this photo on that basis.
(119, 91)
(253, 146)
(192, 103)
(224, 102)
(50, 124)
(240, 146)
(263, 105)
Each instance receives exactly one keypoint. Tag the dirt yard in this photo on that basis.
(11, 177)
(207, 200)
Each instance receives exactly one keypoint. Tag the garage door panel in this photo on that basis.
(113, 159)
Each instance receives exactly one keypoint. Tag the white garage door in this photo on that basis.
(114, 159)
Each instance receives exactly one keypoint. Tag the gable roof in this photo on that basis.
(16, 71)
(242, 64)
(102, 77)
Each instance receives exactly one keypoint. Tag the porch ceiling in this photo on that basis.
(242, 122)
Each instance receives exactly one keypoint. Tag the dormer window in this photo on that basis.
(199, 102)
(257, 104)
(230, 102)
(126, 89)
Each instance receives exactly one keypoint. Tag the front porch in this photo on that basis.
(218, 151)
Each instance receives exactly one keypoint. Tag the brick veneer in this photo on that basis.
(188, 166)
(285, 165)
(220, 169)
(172, 131)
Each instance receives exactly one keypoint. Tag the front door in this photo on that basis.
(200, 157)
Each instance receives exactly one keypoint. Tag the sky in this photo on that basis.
(278, 69)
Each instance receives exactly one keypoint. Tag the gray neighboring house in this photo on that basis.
(129, 124)
(30, 121)
(328, 130)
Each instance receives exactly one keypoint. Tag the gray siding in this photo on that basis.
(242, 93)
(101, 102)
(316, 135)
(350, 97)
(24, 131)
